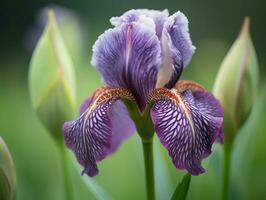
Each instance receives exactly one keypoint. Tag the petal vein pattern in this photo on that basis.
(128, 56)
(91, 134)
(187, 124)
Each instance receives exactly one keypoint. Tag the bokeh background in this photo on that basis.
(214, 25)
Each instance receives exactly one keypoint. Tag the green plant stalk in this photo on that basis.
(149, 168)
(65, 171)
(226, 171)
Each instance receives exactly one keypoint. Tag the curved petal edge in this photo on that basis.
(187, 125)
(90, 136)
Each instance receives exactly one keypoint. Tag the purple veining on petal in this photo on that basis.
(159, 17)
(89, 137)
(128, 56)
(102, 125)
(122, 125)
(187, 125)
(210, 106)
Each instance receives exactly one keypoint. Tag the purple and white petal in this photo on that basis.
(90, 136)
(172, 65)
(158, 17)
(177, 50)
(187, 125)
(177, 28)
(128, 56)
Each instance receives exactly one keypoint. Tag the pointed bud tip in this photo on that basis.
(50, 13)
(245, 25)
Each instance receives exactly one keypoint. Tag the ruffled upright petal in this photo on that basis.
(177, 28)
(187, 122)
(128, 56)
(158, 17)
(177, 50)
(90, 137)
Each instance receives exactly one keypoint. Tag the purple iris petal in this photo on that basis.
(90, 137)
(177, 50)
(85, 105)
(128, 56)
(187, 125)
(172, 65)
(131, 56)
(159, 17)
(122, 125)
(177, 28)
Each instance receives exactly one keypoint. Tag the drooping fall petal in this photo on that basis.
(90, 136)
(122, 125)
(187, 124)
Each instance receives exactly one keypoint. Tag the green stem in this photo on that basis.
(65, 172)
(149, 169)
(226, 171)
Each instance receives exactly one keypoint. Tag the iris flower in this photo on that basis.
(140, 61)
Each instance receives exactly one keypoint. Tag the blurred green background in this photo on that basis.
(214, 25)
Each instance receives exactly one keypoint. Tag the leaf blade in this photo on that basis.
(181, 190)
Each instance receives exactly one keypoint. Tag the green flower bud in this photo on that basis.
(52, 79)
(7, 173)
(236, 84)
(70, 24)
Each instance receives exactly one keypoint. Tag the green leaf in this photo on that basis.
(236, 83)
(182, 188)
(52, 79)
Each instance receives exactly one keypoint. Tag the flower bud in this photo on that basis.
(7, 173)
(237, 81)
(69, 23)
(52, 79)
